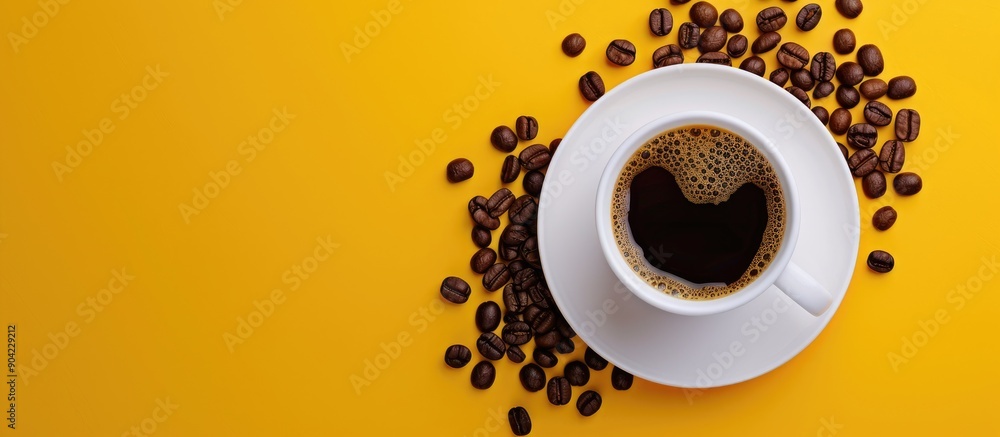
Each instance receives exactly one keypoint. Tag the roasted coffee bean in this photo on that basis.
(504, 139)
(849, 8)
(771, 19)
(500, 202)
(823, 89)
(573, 45)
(529, 252)
(576, 372)
(520, 422)
(884, 218)
(850, 73)
(523, 211)
(533, 182)
(459, 170)
(862, 136)
(737, 46)
(862, 162)
(891, 159)
(594, 361)
(793, 56)
(754, 64)
(779, 77)
(843, 150)
(483, 218)
(824, 67)
(661, 21)
(548, 340)
(455, 290)
(621, 52)
(881, 261)
(496, 277)
(514, 301)
(516, 333)
(848, 97)
(871, 60)
(511, 318)
(514, 353)
(907, 125)
(483, 259)
(544, 357)
(457, 356)
(535, 157)
(844, 41)
(803, 79)
(620, 379)
(822, 114)
(878, 114)
(765, 42)
(514, 235)
(564, 328)
(511, 169)
(508, 252)
(483, 375)
(800, 94)
(478, 202)
(731, 20)
(553, 145)
(712, 39)
(481, 236)
(704, 14)
(874, 184)
(901, 87)
(591, 86)
(565, 346)
(688, 35)
(907, 184)
(840, 121)
(488, 316)
(717, 58)
(526, 127)
(542, 321)
(515, 267)
(588, 403)
(491, 346)
(873, 89)
(809, 17)
(670, 54)
(559, 391)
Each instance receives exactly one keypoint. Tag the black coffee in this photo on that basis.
(701, 204)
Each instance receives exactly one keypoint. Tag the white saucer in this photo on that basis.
(707, 351)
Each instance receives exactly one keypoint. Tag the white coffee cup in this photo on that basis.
(782, 273)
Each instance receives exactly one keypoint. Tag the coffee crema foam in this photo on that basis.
(709, 164)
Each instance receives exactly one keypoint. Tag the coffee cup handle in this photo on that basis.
(802, 288)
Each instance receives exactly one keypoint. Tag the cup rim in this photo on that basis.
(636, 284)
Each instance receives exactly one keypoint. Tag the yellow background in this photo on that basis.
(325, 175)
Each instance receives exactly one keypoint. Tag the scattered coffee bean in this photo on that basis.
(871, 60)
(460, 170)
(483, 259)
(544, 357)
(621, 52)
(535, 157)
(849, 8)
(481, 236)
(553, 145)
(874, 184)
(455, 290)
(717, 58)
(478, 202)
(511, 169)
(765, 42)
(670, 54)
(457, 356)
(891, 159)
(862, 162)
(573, 45)
(843, 150)
(532, 377)
(559, 391)
(577, 373)
(824, 67)
(488, 316)
(548, 340)
(737, 46)
(881, 261)
(907, 125)
(588, 403)
(731, 20)
(688, 35)
(779, 77)
(873, 89)
(877, 113)
(884, 218)
(704, 14)
(517, 333)
(504, 139)
(565, 346)
(793, 56)
(529, 252)
(850, 73)
(533, 182)
(496, 277)
(771, 19)
(822, 114)
(526, 127)
(523, 211)
(823, 89)
(907, 184)
(848, 97)
(620, 379)
(491, 346)
(754, 64)
(500, 202)
(520, 422)
(802, 79)
(514, 301)
(542, 322)
(840, 121)
(844, 41)
(712, 39)
(901, 87)
(809, 17)
(862, 136)
(593, 360)
(591, 86)
(483, 375)
(514, 235)
(514, 353)
(661, 21)
(800, 94)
